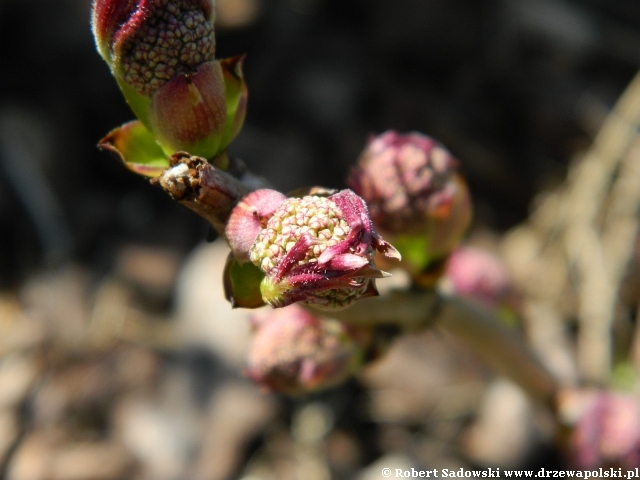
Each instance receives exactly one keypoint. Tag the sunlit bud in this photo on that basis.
(295, 352)
(318, 250)
(162, 55)
(416, 197)
(149, 42)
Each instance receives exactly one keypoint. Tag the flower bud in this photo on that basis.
(314, 249)
(162, 55)
(296, 352)
(607, 428)
(148, 42)
(477, 274)
(249, 218)
(414, 192)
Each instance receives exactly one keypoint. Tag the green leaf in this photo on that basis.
(137, 148)
(242, 284)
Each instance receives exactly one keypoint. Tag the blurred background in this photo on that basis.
(117, 362)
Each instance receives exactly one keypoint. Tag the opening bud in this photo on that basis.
(415, 194)
(313, 249)
(248, 218)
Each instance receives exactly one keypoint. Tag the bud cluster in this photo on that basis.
(478, 274)
(311, 215)
(312, 249)
(320, 218)
(415, 194)
(400, 177)
(175, 38)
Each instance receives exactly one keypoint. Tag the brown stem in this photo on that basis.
(210, 192)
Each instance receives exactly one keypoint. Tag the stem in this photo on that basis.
(501, 348)
(208, 191)
(213, 193)
(476, 326)
(410, 310)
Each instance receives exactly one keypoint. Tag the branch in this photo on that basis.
(476, 326)
(208, 191)
(213, 193)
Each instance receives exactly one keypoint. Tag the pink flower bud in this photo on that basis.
(162, 55)
(412, 188)
(478, 274)
(607, 430)
(149, 42)
(319, 250)
(314, 249)
(295, 352)
(248, 218)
